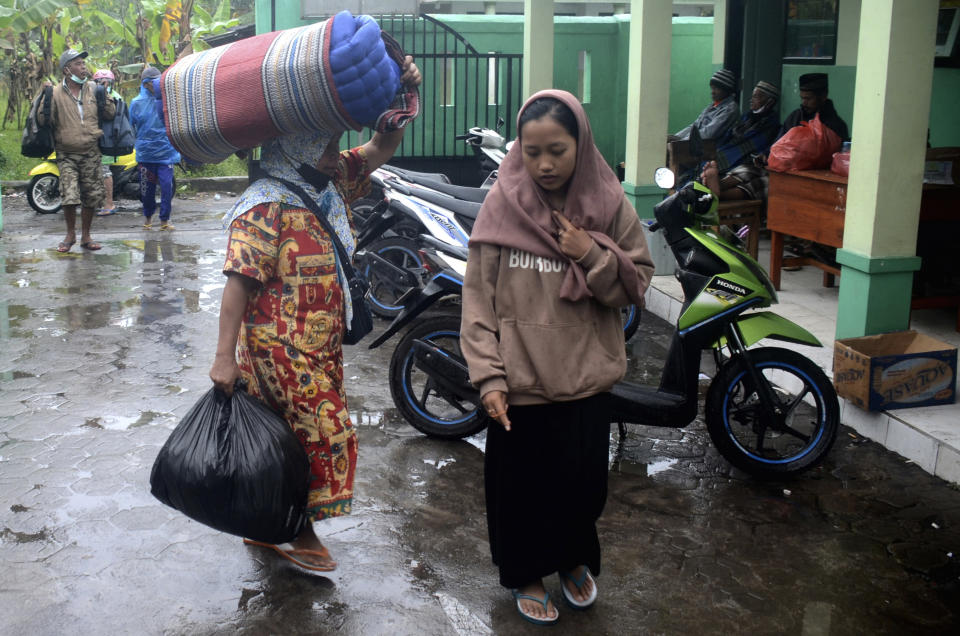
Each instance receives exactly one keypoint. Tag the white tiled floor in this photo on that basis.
(929, 436)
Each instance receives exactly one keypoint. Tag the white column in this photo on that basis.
(537, 46)
(648, 89)
(720, 30)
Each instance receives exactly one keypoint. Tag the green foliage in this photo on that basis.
(231, 167)
(16, 166)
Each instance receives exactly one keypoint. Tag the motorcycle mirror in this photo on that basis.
(664, 178)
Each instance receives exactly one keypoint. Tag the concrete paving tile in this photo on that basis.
(728, 555)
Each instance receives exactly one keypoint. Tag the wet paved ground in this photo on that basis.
(102, 353)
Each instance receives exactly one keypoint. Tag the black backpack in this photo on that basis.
(37, 140)
(118, 137)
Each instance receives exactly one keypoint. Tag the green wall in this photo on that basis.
(691, 65)
(944, 121)
(607, 41)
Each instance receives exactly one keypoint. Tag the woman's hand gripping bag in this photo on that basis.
(236, 466)
(808, 146)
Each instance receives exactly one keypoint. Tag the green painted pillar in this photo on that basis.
(537, 46)
(648, 109)
(890, 116)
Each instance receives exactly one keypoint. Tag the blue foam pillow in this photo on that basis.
(365, 76)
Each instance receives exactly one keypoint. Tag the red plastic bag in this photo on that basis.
(841, 163)
(805, 147)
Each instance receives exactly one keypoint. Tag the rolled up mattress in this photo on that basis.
(332, 75)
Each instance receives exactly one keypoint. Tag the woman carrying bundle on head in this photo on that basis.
(285, 302)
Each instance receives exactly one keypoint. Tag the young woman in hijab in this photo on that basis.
(284, 308)
(556, 251)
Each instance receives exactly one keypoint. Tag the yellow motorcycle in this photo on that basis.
(43, 193)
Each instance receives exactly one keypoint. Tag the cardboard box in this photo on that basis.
(895, 370)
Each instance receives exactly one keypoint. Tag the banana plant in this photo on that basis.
(29, 35)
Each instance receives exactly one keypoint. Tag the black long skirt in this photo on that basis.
(546, 485)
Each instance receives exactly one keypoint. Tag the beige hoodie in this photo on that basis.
(520, 337)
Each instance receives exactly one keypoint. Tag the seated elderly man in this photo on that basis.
(738, 171)
(721, 114)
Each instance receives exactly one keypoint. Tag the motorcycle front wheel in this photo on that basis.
(422, 402)
(763, 443)
(43, 193)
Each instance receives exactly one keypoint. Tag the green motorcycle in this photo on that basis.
(770, 411)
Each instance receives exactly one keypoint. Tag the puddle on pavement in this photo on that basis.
(122, 423)
(24, 537)
(16, 375)
(440, 463)
(649, 469)
(16, 264)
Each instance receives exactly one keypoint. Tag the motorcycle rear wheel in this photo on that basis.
(631, 321)
(745, 432)
(420, 400)
(384, 293)
(43, 193)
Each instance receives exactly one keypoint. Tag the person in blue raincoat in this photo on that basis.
(154, 152)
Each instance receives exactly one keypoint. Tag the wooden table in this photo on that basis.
(811, 204)
(807, 204)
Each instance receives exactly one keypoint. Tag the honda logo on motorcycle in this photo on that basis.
(725, 286)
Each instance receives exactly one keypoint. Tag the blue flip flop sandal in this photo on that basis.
(543, 601)
(578, 582)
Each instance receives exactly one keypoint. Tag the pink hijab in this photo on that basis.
(515, 213)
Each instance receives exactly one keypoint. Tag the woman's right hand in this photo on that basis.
(495, 404)
(225, 372)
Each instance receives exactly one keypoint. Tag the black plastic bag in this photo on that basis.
(235, 465)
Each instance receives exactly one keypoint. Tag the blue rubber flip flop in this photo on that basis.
(543, 601)
(578, 582)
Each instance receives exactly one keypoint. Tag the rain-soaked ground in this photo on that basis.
(102, 353)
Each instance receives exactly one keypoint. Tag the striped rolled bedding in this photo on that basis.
(332, 75)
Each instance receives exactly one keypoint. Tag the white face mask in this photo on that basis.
(76, 79)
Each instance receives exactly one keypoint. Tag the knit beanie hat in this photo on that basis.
(725, 80)
(768, 89)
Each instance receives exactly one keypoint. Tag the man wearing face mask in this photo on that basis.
(76, 131)
(740, 153)
(155, 153)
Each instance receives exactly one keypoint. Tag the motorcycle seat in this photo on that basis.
(464, 193)
(468, 209)
(426, 178)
